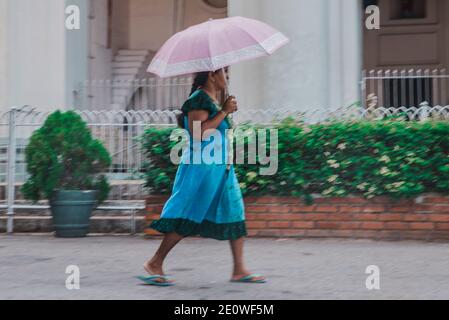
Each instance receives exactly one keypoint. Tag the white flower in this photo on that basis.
(327, 153)
(328, 191)
(384, 171)
(362, 186)
(283, 183)
(341, 146)
(332, 178)
(385, 159)
(251, 175)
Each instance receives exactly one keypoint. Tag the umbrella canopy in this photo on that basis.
(216, 44)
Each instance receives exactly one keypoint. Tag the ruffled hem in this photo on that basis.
(206, 229)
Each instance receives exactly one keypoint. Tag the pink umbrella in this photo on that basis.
(216, 44)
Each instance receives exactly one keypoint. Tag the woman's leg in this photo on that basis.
(239, 265)
(155, 264)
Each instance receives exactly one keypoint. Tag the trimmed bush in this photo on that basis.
(63, 155)
(370, 158)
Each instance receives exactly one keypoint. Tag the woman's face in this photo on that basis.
(220, 79)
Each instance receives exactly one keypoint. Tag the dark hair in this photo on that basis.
(200, 80)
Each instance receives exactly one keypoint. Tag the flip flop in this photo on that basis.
(249, 279)
(150, 280)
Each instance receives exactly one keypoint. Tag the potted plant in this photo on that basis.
(65, 165)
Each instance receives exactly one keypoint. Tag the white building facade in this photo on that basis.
(44, 64)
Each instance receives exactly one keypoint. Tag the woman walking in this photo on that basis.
(206, 198)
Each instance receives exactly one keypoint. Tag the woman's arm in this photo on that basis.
(230, 106)
(206, 123)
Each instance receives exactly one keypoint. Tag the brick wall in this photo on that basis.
(422, 218)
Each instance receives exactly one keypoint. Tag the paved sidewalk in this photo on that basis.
(33, 267)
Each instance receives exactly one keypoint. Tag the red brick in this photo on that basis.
(290, 200)
(339, 216)
(442, 226)
(326, 208)
(438, 236)
(349, 225)
(252, 232)
(372, 225)
(269, 233)
(356, 200)
(250, 200)
(342, 233)
(331, 200)
(438, 200)
(326, 225)
(279, 224)
(380, 199)
(251, 216)
(421, 225)
(256, 224)
(441, 208)
(438, 217)
(415, 217)
(279, 209)
(365, 216)
(315, 216)
(400, 209)
(415, 235)
(267, 200)
(422, 208)
(389, 234)
(374, 208)
(270, 216)
(303, 208)
(389, 217)
(255, 208)
(350, 209)
(396, 225)
(365, 234)
(303, 224)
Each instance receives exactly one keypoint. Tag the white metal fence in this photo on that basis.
(405, 87)
(137, 94)
(120, 130)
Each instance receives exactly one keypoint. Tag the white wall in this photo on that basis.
(301, 75)
(36, 53)
(150, 23)
(3, 53)
(100, 54)
(76, 56)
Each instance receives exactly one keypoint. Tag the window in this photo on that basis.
(408, 9)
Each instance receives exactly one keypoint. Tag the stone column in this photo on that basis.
(3, 55)
(319, 68)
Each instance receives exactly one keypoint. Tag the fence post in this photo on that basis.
(423, 111)
(11, 170)
(363, 89)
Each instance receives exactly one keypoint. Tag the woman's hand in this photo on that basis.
(230, 105)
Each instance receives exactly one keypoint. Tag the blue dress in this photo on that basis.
(206, 199)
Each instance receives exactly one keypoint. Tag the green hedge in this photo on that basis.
(368, 158)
